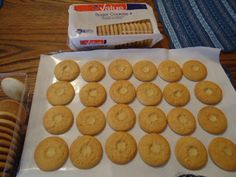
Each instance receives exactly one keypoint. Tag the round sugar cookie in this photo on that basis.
(208, 92)
(121, 147)
(9, 116)
(154, 149)
(223, 153)
(181, 121)
(120, 30)
(5, 166)
(58, 120)
(92, 94)
(93, 71)
(176, 94)
(194, 70)
(10, 132)
(152, 119)
(121, 117)
(116, 29)
(127, 28)
(51, 153)
(212, 120)
(111, 29)
(132, 28)
(99, 31)
(7, 151)
(85, 152)
(149, 94)
(120, 69)
(191, 153)
(122, 91)
(90, 121)
(103, 30)
(67, 70)
(5, 143)
(10, 139)
(145, 70)
(9, 144)
(9, 124)
(14, 107)
(170, 71)
(60, 93)
(107, 29)
(6, 158)
(149, 27)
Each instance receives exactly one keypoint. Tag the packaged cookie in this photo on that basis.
(13, 120)
(113, 25)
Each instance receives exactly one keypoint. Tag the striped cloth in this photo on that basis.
(190, 23)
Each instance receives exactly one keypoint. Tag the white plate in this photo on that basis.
(137, 168)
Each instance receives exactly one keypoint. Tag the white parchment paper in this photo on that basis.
(136, 168)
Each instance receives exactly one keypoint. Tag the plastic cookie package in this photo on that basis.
(115, 25)
(14, 101)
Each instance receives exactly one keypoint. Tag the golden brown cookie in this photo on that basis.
(115, 27)
(4, 166)
(93, 71)
(8, 116)
(93, 94)
(14, 107)
(154, 149)
(6, 158)
(223, 153)
(170, 71)
(8, 151)
(208, 92)
(121, 117)
(90, 121)
(194, 70)
(9, 144)
(10, 132)
(121, 147)
(60, 93)
(120, 69)
(9, 124)
(10, 139)
(176, 94)
(145, 70)
(181, 121)
(122, 91)
(5, 143)
(191, 153)
(51, 153)
(58, 120)
(85, 152)
(212, 120)
(152, 119)
(67, 70)
(149, 94)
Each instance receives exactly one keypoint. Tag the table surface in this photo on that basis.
(29, 28)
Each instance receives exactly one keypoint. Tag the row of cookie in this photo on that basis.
(130, 28)
(86, 151)
(137, 27)
(91, 121)
(123, 92)
(121, 69)
(12, 117)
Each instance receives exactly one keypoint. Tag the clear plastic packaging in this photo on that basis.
(14, 109)
(114, 25)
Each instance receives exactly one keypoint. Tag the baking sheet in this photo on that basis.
(137, 168)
